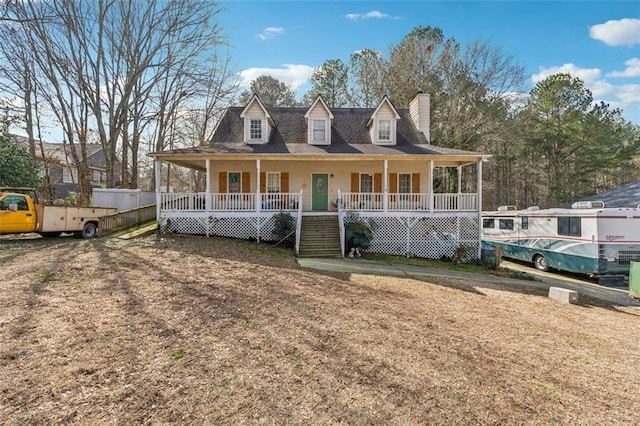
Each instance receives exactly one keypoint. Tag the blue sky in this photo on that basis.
(597, 41)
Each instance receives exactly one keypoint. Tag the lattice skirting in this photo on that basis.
(259, 228)
(428, 237)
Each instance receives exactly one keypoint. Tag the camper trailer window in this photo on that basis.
(524, 224)
(505, 224)
(488, 223)
(570, 225)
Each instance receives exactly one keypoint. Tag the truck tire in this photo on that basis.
(90, 230)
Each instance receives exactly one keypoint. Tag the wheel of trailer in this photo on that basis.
(89, 230)
(540, 263)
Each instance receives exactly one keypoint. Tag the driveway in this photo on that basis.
(616, 295)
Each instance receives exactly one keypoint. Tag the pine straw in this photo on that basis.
(206, 330)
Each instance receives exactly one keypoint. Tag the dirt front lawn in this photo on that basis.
(196, 330)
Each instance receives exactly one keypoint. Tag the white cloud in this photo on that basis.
(629, 93)
(632, 70)
(587, 75)
(270, 32)
(617, 33)
(374, 14)
(296, 75)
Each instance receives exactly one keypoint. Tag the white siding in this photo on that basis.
(420, 111)
(384, 113)
(319, 113)
(300, 173)
(256, 113)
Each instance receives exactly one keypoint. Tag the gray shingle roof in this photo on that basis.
(56, 150)
(349, 135)
(622, 196)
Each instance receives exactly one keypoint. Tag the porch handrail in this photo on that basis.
(197, 201)
(341, 223)
(408, 201)
(299, 223)
(126, 219)
(459, 201)
(182, 200)
(277, 201)
(362, 200)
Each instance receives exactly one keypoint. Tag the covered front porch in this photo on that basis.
(275, 183)
(402, 200)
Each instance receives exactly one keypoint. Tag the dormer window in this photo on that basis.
(318, 119)
(319, 130)
(383, 124)
(384, 130)
(257, 122)
(255, 131)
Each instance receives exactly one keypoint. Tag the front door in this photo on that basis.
(320, 191)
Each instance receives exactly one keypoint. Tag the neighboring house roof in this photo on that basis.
(56, 151)
(349, 135)
(622, 196)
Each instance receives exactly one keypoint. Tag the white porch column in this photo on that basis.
(207, 200)
(459, 179)
(479, 195)
(385, 186)
(258, 203)
(157, 166)
(430, 185)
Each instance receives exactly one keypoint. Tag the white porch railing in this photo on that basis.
(291, 201)
(466, 202)
(280, 201)
(407, 202)
(182, 201)
(201, 201)
(360, 201)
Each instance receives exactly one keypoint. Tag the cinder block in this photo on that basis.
(563, 295)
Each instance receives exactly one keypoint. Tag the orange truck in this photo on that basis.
(21, 213)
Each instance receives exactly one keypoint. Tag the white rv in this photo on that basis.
(586, 238)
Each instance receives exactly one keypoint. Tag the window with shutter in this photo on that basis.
(273, 182)
(366, 182)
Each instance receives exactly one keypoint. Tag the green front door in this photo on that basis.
(320, 191)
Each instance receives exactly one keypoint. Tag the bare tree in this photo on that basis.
(18, 80)
(107, 59)
(367, 75)
(191, 123)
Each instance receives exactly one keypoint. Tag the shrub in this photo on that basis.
(284, 229)
(357, 233)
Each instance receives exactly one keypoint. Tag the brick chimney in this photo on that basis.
(420, 111)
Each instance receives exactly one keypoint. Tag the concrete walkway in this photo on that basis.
(617, 296)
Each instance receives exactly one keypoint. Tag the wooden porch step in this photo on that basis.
(320, 237)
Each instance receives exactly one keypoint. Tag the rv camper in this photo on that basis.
(587, 238)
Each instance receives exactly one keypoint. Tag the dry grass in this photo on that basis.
(193, 330)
